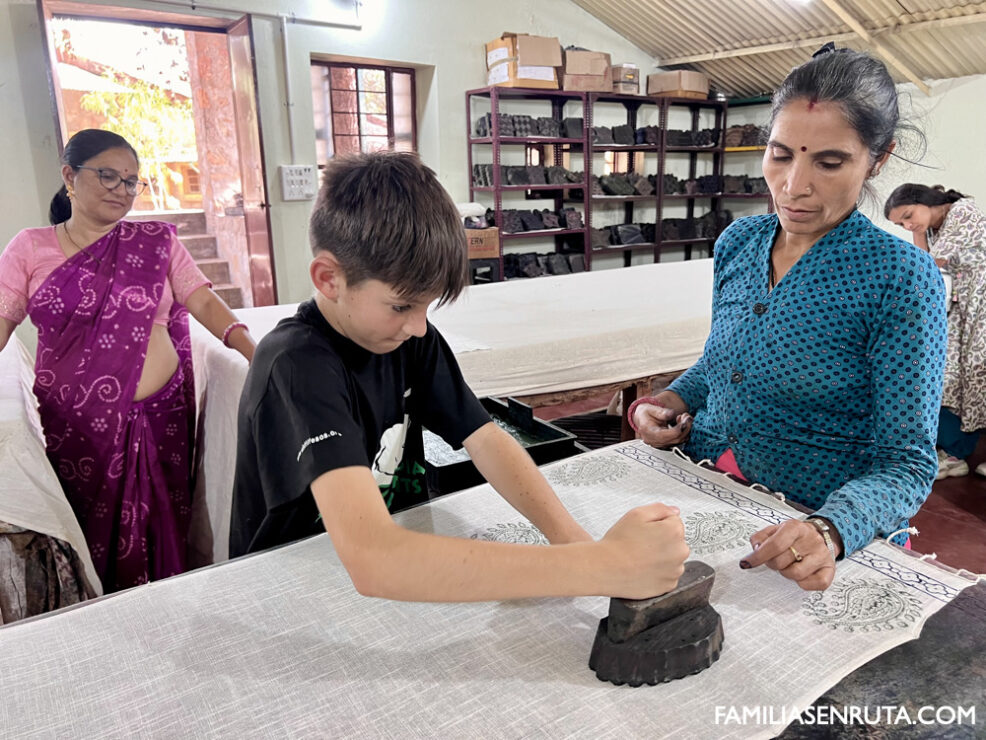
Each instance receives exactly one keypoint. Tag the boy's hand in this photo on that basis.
(574, 534)
(649, 551)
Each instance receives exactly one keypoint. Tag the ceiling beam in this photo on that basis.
(900, 28)
(850, 20)
(956, 20)
(751, 50)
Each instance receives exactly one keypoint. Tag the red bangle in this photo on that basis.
(633, 406)
(230, 328)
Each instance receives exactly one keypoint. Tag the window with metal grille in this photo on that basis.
(362, 108)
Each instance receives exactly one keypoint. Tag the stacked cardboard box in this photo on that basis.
(626, 78)
(519, 60)
(681, 83)
(483, 243)
(586, 71)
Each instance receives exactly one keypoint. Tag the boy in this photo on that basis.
(333, 403)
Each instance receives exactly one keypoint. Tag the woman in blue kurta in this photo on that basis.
(822, 373)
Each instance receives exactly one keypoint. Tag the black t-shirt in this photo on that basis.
(314, 401)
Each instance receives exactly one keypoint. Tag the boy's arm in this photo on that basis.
(641, 556)
(510, 470)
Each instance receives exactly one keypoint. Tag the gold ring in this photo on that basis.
(797, 555)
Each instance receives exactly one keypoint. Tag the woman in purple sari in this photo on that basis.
(113, 374)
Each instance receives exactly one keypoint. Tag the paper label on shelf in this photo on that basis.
(535, 73)
(497, 55)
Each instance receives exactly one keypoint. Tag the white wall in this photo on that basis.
(443, 39)
(951, 119)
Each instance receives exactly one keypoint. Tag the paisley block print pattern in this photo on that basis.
(522, 533)
(857, 604)
(588, 472)
(717, 531)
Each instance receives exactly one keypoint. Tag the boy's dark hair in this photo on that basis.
(912, 193)
(83, 146)
(384, 216)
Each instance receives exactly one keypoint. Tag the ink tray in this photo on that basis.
(451, 470)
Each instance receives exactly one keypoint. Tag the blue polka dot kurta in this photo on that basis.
(828, 387)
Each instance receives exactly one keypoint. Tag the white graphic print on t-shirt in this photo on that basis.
(388, 459)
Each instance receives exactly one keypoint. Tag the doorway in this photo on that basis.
(182, 91)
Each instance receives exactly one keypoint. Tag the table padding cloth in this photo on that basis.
(280, 645)
(30, 495)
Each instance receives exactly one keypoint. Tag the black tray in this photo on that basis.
(451, 470)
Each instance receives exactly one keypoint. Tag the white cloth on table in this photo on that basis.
(280, 644)
(30, 494)
(513, 338)
(564, 332)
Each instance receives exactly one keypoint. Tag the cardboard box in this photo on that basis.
(626, 78)
(483, 244)
(528, 51)
(511, 74)
(627, 88)
(680, 83)
(519, 60)
(586, 83)
(586, 71)
(586, 63)
(625, 73)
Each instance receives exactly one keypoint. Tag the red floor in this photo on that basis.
(952, 522)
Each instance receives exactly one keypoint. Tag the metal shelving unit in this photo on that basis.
(632, 105)
(695, 108)
(583, 148)
(575, 147)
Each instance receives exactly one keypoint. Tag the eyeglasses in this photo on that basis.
(111, 179)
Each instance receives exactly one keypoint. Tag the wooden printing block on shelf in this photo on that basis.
(650, 641)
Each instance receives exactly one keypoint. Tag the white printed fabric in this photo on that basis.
(280, 645)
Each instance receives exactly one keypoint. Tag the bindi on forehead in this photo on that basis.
(804, 149)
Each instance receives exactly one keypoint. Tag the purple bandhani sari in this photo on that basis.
(125, 465)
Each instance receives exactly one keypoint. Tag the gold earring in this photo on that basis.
(71, 191)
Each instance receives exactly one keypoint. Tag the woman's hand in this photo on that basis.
(796, 550)
(664, 424)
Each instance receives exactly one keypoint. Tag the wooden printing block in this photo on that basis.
(650, 641)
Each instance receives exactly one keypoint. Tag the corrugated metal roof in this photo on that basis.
(747, 47)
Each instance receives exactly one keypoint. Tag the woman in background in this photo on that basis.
(113, 373)
(953, 228)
